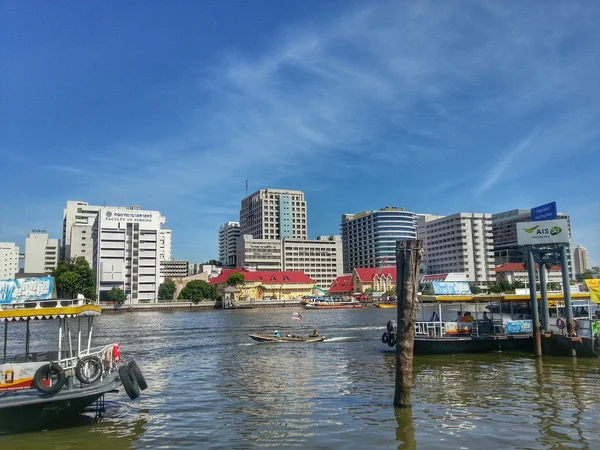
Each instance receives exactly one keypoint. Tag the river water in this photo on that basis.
(212, 387)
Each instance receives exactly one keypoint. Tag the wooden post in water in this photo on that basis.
(408, 258)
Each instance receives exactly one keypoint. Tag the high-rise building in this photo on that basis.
(504, 229)
(274, 214)
(41, 253)
(320, 258)
(9, 260)
(229, 233)
(174, 269)
(126, 252)
(164, 237)
(581, 261)
(369, 238)
(459, 243)
(78, 222)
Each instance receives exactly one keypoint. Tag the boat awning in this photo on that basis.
(48, 313)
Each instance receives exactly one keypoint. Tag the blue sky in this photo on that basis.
(437, 107)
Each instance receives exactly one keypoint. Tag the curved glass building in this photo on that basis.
(368, 238)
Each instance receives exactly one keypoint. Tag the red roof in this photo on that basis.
(369, 273)
(518, 267)
(266, 277)
(341, 284)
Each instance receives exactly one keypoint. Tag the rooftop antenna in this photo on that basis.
(246, 185)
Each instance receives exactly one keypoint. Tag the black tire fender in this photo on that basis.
(44, 372)
(560, 323)
(384, 338)
(130, 383)
(79, 369)
(391, 339)
(390, 326)
(138, 375)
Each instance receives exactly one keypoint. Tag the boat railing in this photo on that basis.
(432, 329)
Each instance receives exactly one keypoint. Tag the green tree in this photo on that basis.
(198, 290)
(554, 286)
(595, 269)
(475, 289)
(166, 290)
(73, 277)
(236, 279)
(585, 275)
(390, 293)
(116, 295)
(518, 284)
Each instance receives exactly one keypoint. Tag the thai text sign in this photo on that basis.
(26, 289)
(543, 232)
(120, 215)
(544, 212)
(451, 288)
(519, 326)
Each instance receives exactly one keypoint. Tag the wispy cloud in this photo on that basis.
(503, 165)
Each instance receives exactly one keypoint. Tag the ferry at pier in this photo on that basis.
(37, 389)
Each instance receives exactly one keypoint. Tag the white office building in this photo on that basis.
(174, 268)
(229, 234)
(164, 237)
(274, 214)
(126, 252)
(459, 243)
(78, 222)
(320, 258)
(581, 262)
(41, 253)
(369, 238)
(9, 260)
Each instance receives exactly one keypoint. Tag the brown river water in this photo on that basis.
(212, 387)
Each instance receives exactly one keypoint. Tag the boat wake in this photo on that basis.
(340, 339)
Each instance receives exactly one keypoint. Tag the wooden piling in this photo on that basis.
(408, 258)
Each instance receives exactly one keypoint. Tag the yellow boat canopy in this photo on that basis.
(495, 297)
(48, 310)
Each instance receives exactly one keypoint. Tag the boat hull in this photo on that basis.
(267, 338)
(487, 344)
(560, 345)
(27, 410)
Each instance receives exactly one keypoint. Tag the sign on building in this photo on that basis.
(26, 289)
(123, 216)
(544, 212)
(543, 232)
(451, 288)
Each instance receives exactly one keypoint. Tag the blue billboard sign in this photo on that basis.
(26, 289)
(451, 288)
(519, 326)
(544, 212)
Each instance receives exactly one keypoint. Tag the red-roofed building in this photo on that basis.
(281, 285)
(369, 279)
(342, 286)
(512, 272)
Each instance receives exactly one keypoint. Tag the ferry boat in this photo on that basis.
(478, 333)
(37, 389)
(327, 303)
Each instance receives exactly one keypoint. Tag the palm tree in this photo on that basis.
(260, 290)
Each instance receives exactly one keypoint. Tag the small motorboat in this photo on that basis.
(285, 338)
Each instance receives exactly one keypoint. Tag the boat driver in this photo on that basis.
(276, 334)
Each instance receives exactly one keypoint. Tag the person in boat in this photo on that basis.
(276, 334)
(486, 319)
(434, 317)
(467, 317)
(315, 333)
(459, 316)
